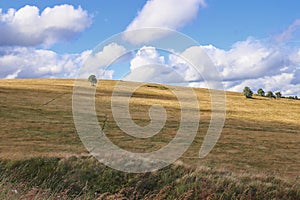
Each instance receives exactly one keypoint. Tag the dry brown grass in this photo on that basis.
(30, 125)
(260, 134)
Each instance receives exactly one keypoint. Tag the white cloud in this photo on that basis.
(269, 64)
(195, 65)
(22, 62)
(258, 64)
(155, 73)
(27, 27)
(252, 62)
(146, 55)
(149, 66)
(170, 14)
(248, 59)
(13, 75)
(174, 68)
(97, 62)
(105, 57)
(281, 82)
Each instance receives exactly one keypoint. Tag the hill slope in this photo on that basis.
(260, 135)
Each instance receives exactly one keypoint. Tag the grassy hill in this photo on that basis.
(260, 138)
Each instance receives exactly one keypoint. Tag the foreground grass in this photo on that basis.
(86, 178)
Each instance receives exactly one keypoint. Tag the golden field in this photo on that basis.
(260, 136)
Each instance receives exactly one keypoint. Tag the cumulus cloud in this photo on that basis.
(155, 73)
(170, 14)
(251, 63)
(24, 62)
(258, 64)
(149, 66)
(280, 82)
(21, 62)
(28, 27)
(248, 59)
(254, 63)
(109, 54)
(97, 62)
(146, 55)
(174, 68)
(194, 64)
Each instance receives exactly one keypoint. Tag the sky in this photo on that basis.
(251, 43)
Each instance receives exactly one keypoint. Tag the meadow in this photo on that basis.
(256, 157)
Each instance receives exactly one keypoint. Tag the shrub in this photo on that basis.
(270, 94)
(278, 95)
(261, 92)
(248, 92)
(92, 79)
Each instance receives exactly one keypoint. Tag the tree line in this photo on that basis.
(260, 92)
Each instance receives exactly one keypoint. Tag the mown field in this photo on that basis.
(257, 154)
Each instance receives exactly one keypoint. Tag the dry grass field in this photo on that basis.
(261, 136)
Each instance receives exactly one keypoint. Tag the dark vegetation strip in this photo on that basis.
(86, 178)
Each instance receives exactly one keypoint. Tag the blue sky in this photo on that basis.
(221, 23)
(264, 32)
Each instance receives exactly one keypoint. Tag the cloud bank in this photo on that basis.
(255, 63)
(22, 62)
(258, 64)
(28, 27)
(191, 65)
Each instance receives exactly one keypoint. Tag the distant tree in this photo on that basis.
(296, 97)
(261, 92)
(278, 95)
(247, 92)
(92, 79)
(270, 94)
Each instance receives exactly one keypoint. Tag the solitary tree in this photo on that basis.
(248, 92)
(278, 95)
(270, 94)
(261, 92)
(93, 80)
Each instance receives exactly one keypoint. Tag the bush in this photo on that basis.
(278, 95)
(248, 92)
(92, 79)
(270, 94)
(261, 92)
